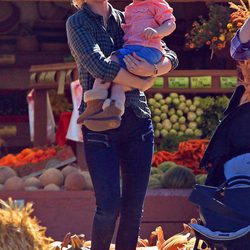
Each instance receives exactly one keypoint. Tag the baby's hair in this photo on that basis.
(78, 3)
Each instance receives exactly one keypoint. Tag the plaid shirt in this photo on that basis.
(91, 45)
(239, 51)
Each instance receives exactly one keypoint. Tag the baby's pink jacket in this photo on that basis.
(142, 14)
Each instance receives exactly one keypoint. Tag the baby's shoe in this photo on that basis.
(109, 118)
(94, 99)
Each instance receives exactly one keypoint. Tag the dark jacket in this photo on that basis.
(230, 139)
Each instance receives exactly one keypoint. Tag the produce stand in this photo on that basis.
(41, 85)
(44, 71)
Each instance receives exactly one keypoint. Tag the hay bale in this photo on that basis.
(19, 231)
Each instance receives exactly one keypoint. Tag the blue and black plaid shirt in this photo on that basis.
(91, 44)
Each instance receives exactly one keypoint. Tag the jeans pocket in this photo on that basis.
(148, 136)
(97, 140)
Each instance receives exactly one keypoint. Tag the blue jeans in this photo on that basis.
(127, 152)
(151, 55)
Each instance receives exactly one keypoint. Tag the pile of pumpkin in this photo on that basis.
(20, 231)
(170, 175)
(52, 179)
(181, 241)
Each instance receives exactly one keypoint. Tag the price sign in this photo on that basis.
(228, 82)
(7, 59)
(201, 82)
(159, 82)
(178, 82)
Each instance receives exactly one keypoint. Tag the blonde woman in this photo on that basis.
(94, 31)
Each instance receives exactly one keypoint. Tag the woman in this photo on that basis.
(93, 33)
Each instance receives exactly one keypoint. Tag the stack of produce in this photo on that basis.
(175, 115)
(170, 175)
(178, 115)
(184, 240)
(189, 155)
(69, 178)
(28, 155)
(21, 231)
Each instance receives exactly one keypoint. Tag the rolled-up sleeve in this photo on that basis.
(239, 50)
(171, 55)
(87, 52)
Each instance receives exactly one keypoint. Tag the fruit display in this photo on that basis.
(175, 115)
(170, 175)
(189, 154)
(70, 178)
(182, 117)
(28, 155)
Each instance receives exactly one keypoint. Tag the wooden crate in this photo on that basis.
(72, 211)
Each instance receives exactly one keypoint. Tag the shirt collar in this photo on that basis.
(86, 7)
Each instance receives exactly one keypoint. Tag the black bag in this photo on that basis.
(225, 208)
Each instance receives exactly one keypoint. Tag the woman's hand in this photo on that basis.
(138, 66)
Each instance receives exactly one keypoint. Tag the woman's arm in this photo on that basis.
(88, 55)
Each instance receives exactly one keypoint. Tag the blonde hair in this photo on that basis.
(78, 3)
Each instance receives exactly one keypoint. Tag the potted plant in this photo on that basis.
(211, 32)
(27, 41)
(218, 29)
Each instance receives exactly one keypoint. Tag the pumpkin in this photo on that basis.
(6, 173)
(51, 187)
(178, 177)
(67, 170)
(31, 188)
(33, 182)
(14, 183)
(74, 181)
(88, 181)
(52, 176)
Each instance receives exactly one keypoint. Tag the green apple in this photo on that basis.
(173, 95)
(192, 125)
(167, 124)
(182, 120)
(163, 116)
(156, 119)
(173, 118)
(168, 100)
(158, 96)
(179, 112)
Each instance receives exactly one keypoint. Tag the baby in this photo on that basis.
(146, 23)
